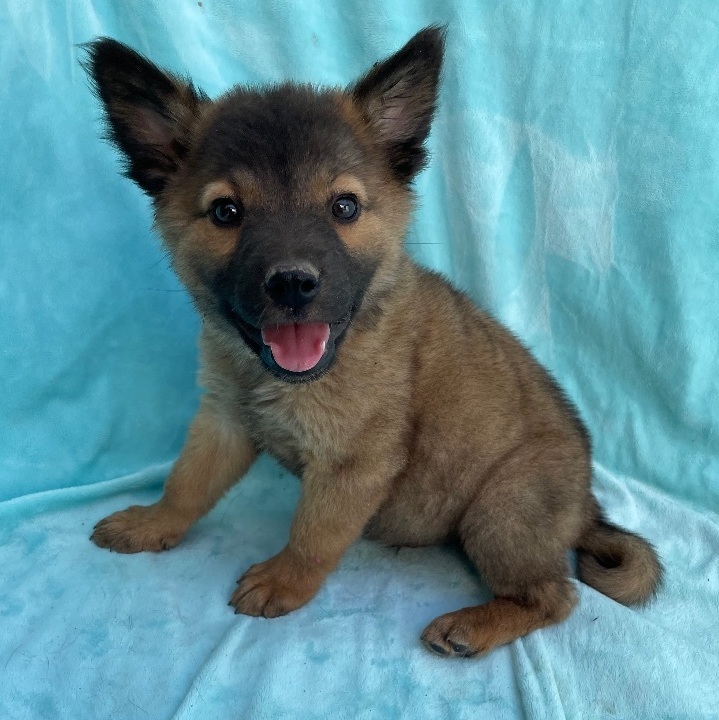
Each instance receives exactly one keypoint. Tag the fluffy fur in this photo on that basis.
(424, 422)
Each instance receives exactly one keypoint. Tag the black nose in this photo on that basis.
(292, 287)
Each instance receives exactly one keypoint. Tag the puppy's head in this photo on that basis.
(284, 208)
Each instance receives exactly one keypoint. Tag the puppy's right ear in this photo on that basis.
(149, 113)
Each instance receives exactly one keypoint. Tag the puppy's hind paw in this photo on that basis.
(454, 635)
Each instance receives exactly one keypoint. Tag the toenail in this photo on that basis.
(459, 647)
(437, 648)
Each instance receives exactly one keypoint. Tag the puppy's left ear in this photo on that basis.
(397, 97)
(150, 114)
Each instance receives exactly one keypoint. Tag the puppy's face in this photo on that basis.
(284, 209)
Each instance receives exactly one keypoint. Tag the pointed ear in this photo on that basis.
(398, 96)
(149, 113)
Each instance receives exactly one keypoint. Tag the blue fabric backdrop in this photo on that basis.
(574, 192)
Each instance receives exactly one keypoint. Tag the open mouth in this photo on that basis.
(297, 347)
(294, 352)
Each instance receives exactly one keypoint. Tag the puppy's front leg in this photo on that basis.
(216, 454)
(335, 505)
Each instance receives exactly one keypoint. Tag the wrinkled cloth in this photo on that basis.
(573, 192)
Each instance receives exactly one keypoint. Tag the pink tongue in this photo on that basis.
(297, 347)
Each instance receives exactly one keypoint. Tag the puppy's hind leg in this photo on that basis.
(478, 629)
(216, 454)
(517, 532)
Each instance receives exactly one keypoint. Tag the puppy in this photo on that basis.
(411, 416)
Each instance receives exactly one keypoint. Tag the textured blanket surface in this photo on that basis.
(573, 192)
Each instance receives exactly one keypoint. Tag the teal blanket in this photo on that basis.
(573, 192)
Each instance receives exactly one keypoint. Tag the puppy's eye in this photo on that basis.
(225, 212)
(346, 208)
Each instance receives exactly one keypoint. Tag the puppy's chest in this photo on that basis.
(293, 425)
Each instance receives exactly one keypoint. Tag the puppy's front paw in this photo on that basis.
(275, 587)
(139, 529)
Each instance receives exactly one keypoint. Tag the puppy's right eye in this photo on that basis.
(225, 212)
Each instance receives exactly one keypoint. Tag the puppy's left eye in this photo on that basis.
(346, 208)
(225, 212)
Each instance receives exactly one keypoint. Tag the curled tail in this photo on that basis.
(618, 563)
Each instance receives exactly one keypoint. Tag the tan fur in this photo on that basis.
(422, 431)
(434, 424)
(214, 456)
(475, 630)
(619, 564)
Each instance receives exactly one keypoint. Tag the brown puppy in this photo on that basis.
(411, 416)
